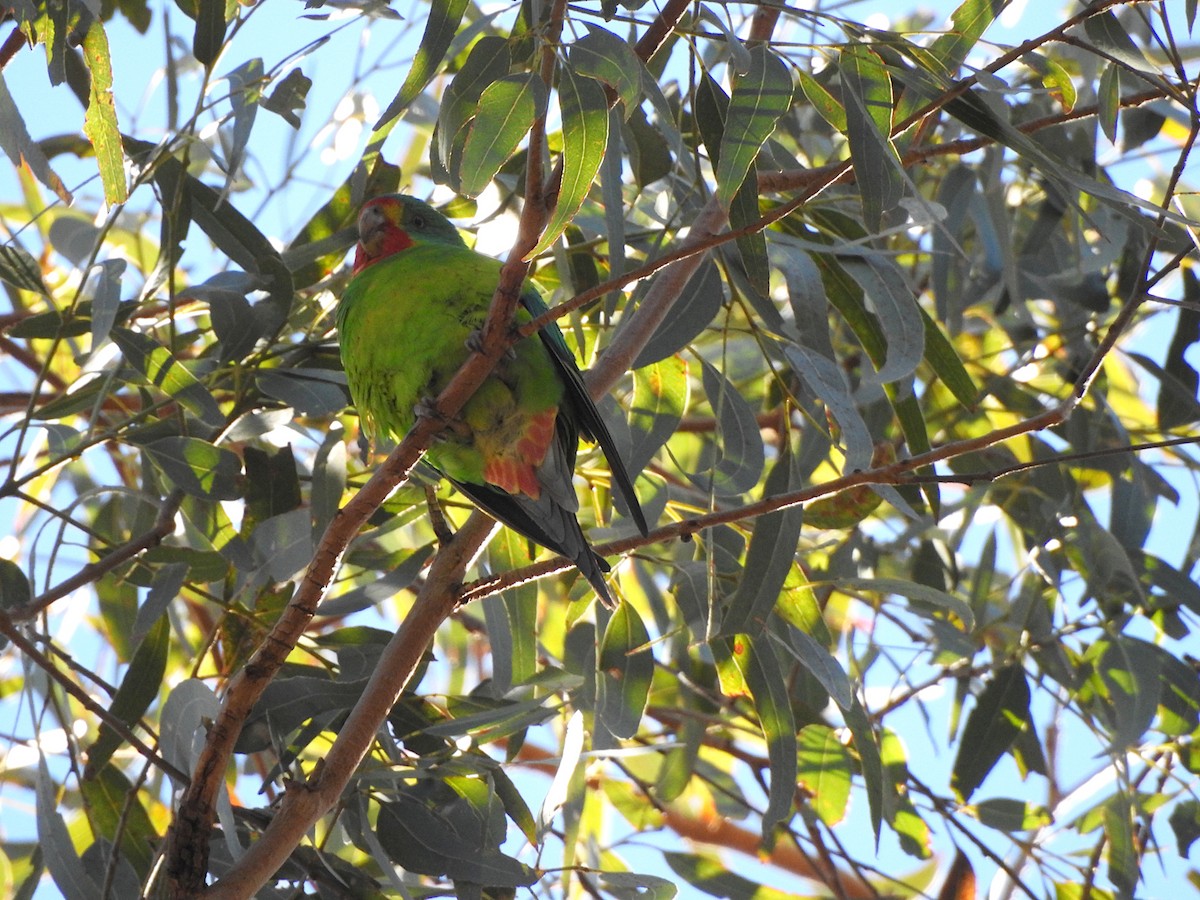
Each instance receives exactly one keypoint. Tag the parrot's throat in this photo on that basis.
(380, 244)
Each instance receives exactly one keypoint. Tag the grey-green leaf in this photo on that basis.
(198, 467)
(868, 101)
(585, 137)
(759, 98)
(626, 668)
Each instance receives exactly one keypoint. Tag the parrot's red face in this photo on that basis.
(380, 233)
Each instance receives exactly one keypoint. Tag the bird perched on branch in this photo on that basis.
(416, 298)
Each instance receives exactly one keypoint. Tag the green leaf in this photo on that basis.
(871, 762)
(1130, 670)
(20, 269)
(245, 88)
(511, 616)
(1177, 392)
(1123, 857)
(660, 396)
(914, 591)
(1001, 713)
(1004, 814)
(272, 485)
(626, 668)
(895, 306)
(826, 105)
(209, 35)
(440, 28)
(116, 812)
(438, 842)
(714, 877)
(100, 120)
(687, 318)
(950, 48)
(287, 99)
(1108, 95)
(740, 461)
(15, 590)
(106, 299)
(769, 559)
(58, 851)
(506, 110)
(602, 55)
(188, 707)
(827, 381)
(1185, 822)
(868, 101)
(947, 365)
(764, 677)
(759, 98)
(824, 769)
(488, 61)
(197, 467)
(159, 368)
(585, 138)
(139, 688)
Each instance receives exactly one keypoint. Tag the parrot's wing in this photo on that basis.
(587, 415)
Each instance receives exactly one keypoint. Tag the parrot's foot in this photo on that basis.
(426, 408)
(441, 528)
(474, 343)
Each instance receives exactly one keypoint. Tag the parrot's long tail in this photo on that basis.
(548, 522)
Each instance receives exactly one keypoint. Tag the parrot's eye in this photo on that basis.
(418, 221)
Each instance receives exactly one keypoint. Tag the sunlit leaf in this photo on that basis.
(506, 109)
(100, 121)
(585, 138)
(759, 98)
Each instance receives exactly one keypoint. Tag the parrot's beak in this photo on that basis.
(371, 221)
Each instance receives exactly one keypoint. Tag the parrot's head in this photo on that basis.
(390, 224)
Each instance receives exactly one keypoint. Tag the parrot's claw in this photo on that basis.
(426, 408)
(474, 343)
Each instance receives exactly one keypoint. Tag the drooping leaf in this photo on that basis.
(198, 467)
(58, 851)
(487, 62)
(209, 34)
(585, 138)
(440, 28)
(759, 98)
(19, 268)
(769, 559)
(100, 120)
(824, 768)
(139, 688)
(506, 109)
(1001, 713)
(738, 461)
(687, 317)
(625, 669)
(868, 104)
(155, 363)
(602, 55)
(117, 813)
(760, 668)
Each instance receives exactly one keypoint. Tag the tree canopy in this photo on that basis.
(892, 318)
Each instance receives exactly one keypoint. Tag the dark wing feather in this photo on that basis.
(527, 516)
(584, 411)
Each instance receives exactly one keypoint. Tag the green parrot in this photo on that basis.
(415, 300)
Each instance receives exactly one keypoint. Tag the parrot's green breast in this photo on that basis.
(403, 324)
